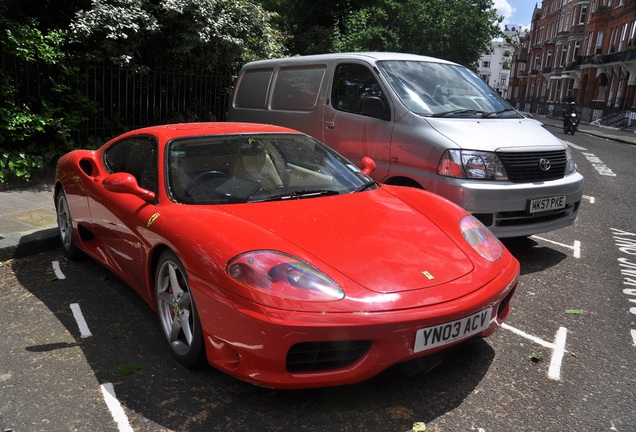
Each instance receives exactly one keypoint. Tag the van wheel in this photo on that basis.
(402, 181)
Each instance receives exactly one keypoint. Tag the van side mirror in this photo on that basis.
(373, 106)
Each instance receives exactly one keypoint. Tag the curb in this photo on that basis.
(21, 245)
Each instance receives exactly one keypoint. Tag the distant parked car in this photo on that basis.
(277, 259)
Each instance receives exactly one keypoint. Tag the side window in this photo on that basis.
(252, 89)
(353, 83)
(136, 156)
(297, 88)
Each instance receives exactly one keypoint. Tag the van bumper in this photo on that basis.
(504, 207)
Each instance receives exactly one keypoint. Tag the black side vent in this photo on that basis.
(322, 356)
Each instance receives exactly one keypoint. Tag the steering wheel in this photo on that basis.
(200, 178)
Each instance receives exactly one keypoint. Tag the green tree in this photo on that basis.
(456, 30)
(176, 33)
(35, 125)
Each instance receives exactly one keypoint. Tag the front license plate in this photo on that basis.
(443, 334)
(545, 204)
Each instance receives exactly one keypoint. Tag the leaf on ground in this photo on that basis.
(128, 369)
(574, 311)
(419, 427)
(535, 357)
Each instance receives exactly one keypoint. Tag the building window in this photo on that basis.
(485, 64)
(599, 42)
(582, 14)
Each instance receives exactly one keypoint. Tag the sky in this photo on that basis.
(516, 13)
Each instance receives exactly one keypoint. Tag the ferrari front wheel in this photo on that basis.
(177, 312)
(65, 226)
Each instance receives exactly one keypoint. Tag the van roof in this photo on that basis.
(369, 57)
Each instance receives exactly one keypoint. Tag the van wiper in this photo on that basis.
(455, 112)
(299, 195)
(494, 113)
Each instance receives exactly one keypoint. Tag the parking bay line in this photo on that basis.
(116, 410)
(576, 247)
(81, 322)
(558, 348)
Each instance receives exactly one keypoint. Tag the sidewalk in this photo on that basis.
(28, 221)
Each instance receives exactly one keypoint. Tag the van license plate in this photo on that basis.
(545, 204)
(443, 334)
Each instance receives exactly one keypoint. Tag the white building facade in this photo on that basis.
(495, 66)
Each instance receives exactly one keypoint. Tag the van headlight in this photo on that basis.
(570, 166)
(471, 164)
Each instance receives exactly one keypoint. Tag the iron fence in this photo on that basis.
(127, 99)
(610, 115)
(124, 99)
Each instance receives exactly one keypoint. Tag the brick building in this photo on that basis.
(582, 51)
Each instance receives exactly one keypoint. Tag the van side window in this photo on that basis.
(253, 88)
(297, 88)
(352, 85)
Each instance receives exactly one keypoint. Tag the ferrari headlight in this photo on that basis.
(481, 239)
(471, 164)
(282, 275)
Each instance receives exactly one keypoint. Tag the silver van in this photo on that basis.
(427, 123)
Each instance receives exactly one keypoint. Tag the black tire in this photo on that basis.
(177, 312)
(65, 227)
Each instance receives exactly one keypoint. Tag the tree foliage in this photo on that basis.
(35, 126)
(175, 33)
(457, 30)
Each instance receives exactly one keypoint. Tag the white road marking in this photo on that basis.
(554, 372)
(81, 322)
(574, 146)
(58, 270)
(576, 247)
(634, 336)
(116, 410)
(558, 348)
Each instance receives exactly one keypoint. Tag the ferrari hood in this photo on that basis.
(373, 238)
(493, 134)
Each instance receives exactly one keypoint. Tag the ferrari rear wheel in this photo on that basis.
(177, 312)
(65, 226)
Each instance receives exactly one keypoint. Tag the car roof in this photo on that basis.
(369, 57)
(180, 130)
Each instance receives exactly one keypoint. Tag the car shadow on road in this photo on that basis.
(533, 256)
(159, 394)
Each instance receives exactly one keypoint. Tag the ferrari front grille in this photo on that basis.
(323, 356)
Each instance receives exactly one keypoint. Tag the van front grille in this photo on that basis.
(527, 167)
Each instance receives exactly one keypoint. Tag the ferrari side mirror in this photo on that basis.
(368, 165)
(122, 182)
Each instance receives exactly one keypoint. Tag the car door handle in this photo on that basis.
(330, 125)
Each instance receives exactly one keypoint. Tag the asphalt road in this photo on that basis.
(566, 361)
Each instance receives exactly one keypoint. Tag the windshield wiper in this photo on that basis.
(365, 186)
(299, 195)
(498, 112)
(454, 112)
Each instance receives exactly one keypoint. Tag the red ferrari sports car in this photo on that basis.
(277, 259)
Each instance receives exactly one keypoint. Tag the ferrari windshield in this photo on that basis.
(222, 169)
(443, 90)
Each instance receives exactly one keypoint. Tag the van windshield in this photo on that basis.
(443, 90)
